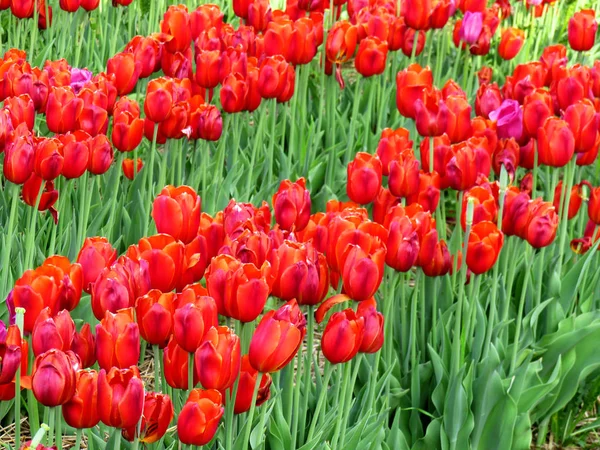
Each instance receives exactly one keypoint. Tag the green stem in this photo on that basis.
(353, 118)
(249, 420)
(320, 401)
(157, 376)
(341, 404)
(564, 212)
(30, 244)
(78, 433)
(9, 236)
(307, 377)
(58, 424)
(20, 317)
(346, 410)
(50, 437)
(528, 263)
(297, 386)
(190, 372)
(149, 176)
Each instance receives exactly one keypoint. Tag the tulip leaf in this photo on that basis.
(571, 281)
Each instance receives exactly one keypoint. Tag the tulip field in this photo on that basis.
(300, 224)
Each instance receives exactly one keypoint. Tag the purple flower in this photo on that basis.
(79, 77)
(509, 119)
(471, 27)
(10, 304)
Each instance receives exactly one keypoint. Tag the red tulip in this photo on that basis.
(404, 174)
(411, 84)
(127, 167)
(391, 144)
(63, 110)
(511, 42)
(176, 211)
(291, 204)
(154, 316)
(402, 245)
(117, 340)
(485, 242)
(371, 56)
(81, 411)
(364, 178)
(199, 418)
(156, 418)
(84, 346)
(76, 153)
(556, 143)
(52, 332)
(246, 384)
(574, 202)
(176, 22)
(120, 397)
(218, 359)
(277, 338)
(373, 320)
(53, 379)
(343, 336)
(192, 321)
(582, 30)
(175, 363)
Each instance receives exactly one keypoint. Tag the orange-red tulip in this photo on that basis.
(364, 178)
(371, 56)
(343, 336)
(53, 379)
(373, 320)
(218, 359)
(511, 42)
(582, 30)
(81, 411)
(176, 211)
(411, 84)
(485, 242)
(291, 204)
(199, 418)
(192, 320)
(52, 332)
(117, 340)
(556, 143)
(246, 384)
(156, 418)
(120, 397)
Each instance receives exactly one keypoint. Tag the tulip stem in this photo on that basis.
(564, 212)
(307, 376)
(20, 316)
(342, 405)
(527, 265)
(248, 426)
(29, 245)
(157, 386)
(229, 411)
(117, 445)
(78, 439)
(58, 424)
(190, 372)
(297, 385)
(353, 118)
(51, 417)
(321, 401)
(9, 236)
(150, 176)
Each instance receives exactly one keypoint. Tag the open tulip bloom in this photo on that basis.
(300, 225)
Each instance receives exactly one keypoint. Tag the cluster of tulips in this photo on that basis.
(154, 292)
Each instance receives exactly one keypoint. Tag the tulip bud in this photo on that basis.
(53, 379)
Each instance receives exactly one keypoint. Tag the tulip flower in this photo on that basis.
(120, 397)
(341, 42)
(199, 418)
(485, 242)
(176, 363)
(537, 107)
(48, 196)
(470, 159)
(487, 99)
(404, 174)
(373, 322)
(117, 340)
(343, 336)
(156, 418)
(246, 384)
(217, 360)
(63, 110)
(509, 120)
(176, 211)
(582, 30)
(128, 169)
(233, 93)
(411, 84)
(417, 13)
(291, 204)
(34, 291)
(391, 144)
(371, 56)
(101, 154)
(53, 379)
(154, 315)
(20, 109)
(440, 262)
(84, 346)
(76, 153)
(542, 224)
(206, 123)
(556, 143)
(364, 178)
(594, 205)
(10, 353)
(583, 122)
(458, 125)
(277, 338)
(19, 157)
(192, 321)
(240, 290)
(574, 202)
(402, 245)
(485, 206)
(431, 113)
(81, 411)
(176, 23)
(52, 332)
(510, 43)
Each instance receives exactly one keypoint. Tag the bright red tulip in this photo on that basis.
(52, 332)
(218, 359)
(120, 397)
(156, 418)
(582, 30)
(199, 418)
(556, 144)
(53, 379)
(246, 384)
(485, 242)
(117, 340)
(343, 336)
(192, 321)
(176, 211)
(81, 411)
(291, 204)
(510, 43)
(364, 178)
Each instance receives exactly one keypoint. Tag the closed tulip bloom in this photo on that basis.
(146, 52)
(572, 85)
(127, 132)
(176, 211)
(373, 320)
(117, 340)
(52, 332)
(95, 255)
(20, 109)
(404, 174)
(128, 167)
(371, 56)
(154, 315)
(176, 22)
(510, 43)
(594, 205)
(469, 161)
(582, 30)
(76, 153)
(556, 144)
(537, 107)
(487, 99)
(574, 202)
(48, 162)
(343, 336)
(364, 178)
(49, 196)
(391, 144)
(411, 84)
(10, 353)
(485, 205)
(304, 41)
(458, 125)
(159, 99)
(120, 397)
(240, 290)
(206, 123)
(441, 261)
(417, 13)
(584, 123)
(192, 321)
(273, 76)
(199, 418)
(22, 9)
(101, 154)
(84, 346)
(291, 204)
(259, 14)
(175, 363)
(211, 67)
(302, 273)
(233, 93)
(507, 154)
(63, 110)
(485, 242)
(277, 338)
(542, 224)
(431, 114)
(53, 379)
(218, 359)
(156, 418)
(19, 157)
(246, 384)
(408, 42)
(81, 411)
(402, 245)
